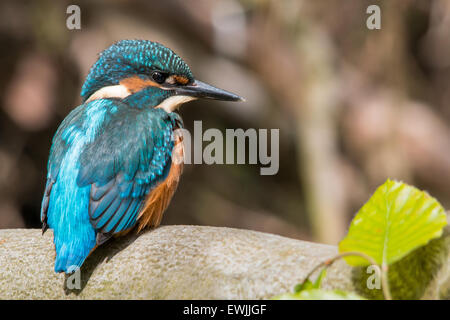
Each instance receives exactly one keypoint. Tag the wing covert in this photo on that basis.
(129, 157)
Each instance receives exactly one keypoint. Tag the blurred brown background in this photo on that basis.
(354, 106)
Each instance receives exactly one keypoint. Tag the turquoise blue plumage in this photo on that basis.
(111, 152)
(88, 175)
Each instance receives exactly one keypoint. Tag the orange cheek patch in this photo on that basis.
(176, 79)
(181, 79)
(134, 84)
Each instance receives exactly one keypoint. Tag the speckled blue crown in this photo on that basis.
(130, 57)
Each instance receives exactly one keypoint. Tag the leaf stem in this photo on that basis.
(384, 279)
(385, 282)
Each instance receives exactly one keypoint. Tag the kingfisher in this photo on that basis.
(111, 168)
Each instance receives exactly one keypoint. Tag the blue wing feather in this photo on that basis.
(121, 177)
(105, 158)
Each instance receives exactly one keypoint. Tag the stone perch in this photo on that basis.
(170, 262)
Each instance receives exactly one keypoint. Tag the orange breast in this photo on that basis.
(159, 198)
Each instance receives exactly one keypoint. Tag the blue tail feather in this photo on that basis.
(69, 260)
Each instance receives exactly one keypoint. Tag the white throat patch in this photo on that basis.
(172, 103)
(118, 91)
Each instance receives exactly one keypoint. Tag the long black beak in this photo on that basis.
(200, 89)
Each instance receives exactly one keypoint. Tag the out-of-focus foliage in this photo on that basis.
(312, 291)
(354, 106)
(320, 294)
(410, 276)
(308, 284)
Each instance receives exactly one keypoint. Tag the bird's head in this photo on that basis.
(150, 72)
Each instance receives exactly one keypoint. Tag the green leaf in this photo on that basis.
(319, 294)
(307, 290)
(411, 277)
(307, 284)
(397, 219)
(320, 277)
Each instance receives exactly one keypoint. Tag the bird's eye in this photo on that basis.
(159, 77)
